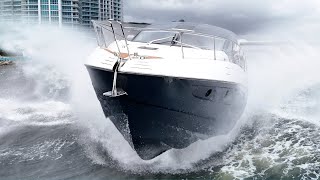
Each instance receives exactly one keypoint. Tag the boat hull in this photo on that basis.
(168, 112)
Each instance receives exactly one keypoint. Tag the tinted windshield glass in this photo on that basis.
(163, 37)
(160, 36)
(203, 42)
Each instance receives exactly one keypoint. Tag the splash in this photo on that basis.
(280, 137)
(274, 147)
(276, 75)
(56, 67)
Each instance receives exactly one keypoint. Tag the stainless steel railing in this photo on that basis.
(235, 56)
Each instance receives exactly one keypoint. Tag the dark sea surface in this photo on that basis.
(52, 127)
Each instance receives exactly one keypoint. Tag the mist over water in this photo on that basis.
(50, 118)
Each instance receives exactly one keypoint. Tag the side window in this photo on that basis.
(228, 50)
(236, 47)
(242, 60)
(100, 37)
(235, 53)
(238, 56)
(228, 46)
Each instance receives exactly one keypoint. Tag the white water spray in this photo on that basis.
(275, 74)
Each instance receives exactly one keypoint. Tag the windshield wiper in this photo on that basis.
(160, 39)
(187, 45)
(174, 39)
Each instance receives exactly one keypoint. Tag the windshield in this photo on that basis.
(203, 42)
(188, 40)
(159, 37)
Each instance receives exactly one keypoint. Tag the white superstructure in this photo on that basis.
(194, 56)
(167, 61)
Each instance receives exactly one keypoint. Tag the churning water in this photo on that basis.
(52, 127)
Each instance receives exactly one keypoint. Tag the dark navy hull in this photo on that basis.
(165, 112)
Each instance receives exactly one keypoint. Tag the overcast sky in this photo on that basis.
(241, 16)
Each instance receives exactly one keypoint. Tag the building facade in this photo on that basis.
(71, 13)
(10, 10)
(100, 10)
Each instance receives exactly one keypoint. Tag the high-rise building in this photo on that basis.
(60, 12)
(100, 10)
(29, 9)
(114, 10)
(10, 10)
(71, 13)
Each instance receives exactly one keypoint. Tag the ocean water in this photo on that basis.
(52, 127)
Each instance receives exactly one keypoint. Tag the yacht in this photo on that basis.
(168, 85)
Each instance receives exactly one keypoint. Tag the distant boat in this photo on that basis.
(177, 83)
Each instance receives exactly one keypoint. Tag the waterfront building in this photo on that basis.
(60, 12)
(70, 13)
(10, 10)
(100, 10)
